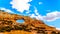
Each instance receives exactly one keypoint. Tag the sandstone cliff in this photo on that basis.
(8, 25)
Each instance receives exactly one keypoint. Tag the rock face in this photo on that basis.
(8, 25)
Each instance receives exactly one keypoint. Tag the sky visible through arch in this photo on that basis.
(45, 10)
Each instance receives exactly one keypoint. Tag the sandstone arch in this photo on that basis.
(30, 22)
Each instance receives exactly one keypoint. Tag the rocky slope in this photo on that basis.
(8, 25)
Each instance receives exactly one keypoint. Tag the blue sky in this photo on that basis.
(46, 10)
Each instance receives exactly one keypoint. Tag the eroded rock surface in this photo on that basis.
(8, 25)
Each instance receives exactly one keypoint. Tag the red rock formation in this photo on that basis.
(30, 25)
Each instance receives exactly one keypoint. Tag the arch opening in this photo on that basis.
(20, 21)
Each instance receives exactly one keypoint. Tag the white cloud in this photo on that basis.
(32, 15)
(28, 11)
(20, 5)
(40, 3)
(6, 10)
(36, 11)
(36, 15)
(52, 16)
(49, 17)
(58, 28)
(39, 17)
